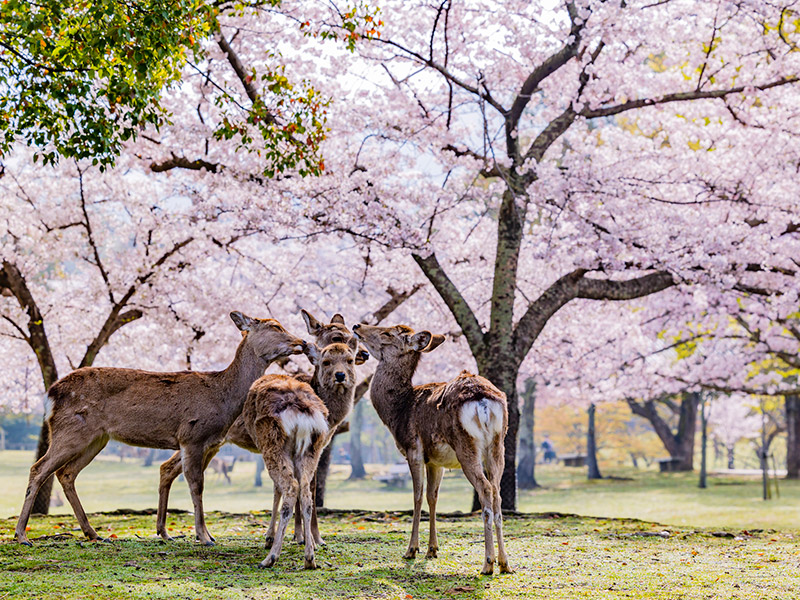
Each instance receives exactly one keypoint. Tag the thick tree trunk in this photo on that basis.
(591, 446)
(793, 436)
(730, 456)
(357, 470)
(680, 444)
(526, 470)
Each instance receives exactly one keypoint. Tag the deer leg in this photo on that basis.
(282, 472)
(273, 520)
(67, 475)
(473, 471)
(298, 523)
(435, 473)
(308, 465)
(496, 464)
(314, 525)
(63, 448)
(169, 471)
(210, 454)
(416, 467)
(193, 463)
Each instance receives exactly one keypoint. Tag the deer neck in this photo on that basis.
(338, 399)
(391, 390)
(239, 376)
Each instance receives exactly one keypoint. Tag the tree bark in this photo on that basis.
(793, 436)
(357, 470)
(526, 470)
(730, 456)
(591, 446)
(680, 444)
(323, 468)
(259, 481)
(703, 483)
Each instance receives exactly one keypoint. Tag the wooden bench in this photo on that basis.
(396, 477)
(669, 465)
(573, 460)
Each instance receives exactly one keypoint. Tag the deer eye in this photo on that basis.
(386, 334)
(338, 340)
(352, 361)
(326, 363)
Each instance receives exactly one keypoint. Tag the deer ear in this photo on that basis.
(436, 341)
(352, 343)
(337, 318)
(419, 341)
(311, 350)
(311, 323)
(242, 321)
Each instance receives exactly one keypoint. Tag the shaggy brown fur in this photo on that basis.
(461, 422)
(188, 410)
(288, 423)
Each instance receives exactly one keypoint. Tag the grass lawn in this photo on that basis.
(671, 499)
(554, 557)
(723, 542)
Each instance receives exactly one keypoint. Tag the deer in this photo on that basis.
(335, 332)
(186, 410)
(288, 423)
(458, 423)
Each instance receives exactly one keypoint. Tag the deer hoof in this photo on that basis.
(310, 563)
(268, 541)
(506, 569)
(167, 538)
(210, 542)
(432, 552)
(411, 553)
(488, 568)
(267, 562)
(25, 542)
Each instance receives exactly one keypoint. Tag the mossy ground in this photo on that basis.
(554, 556)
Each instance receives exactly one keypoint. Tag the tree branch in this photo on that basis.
(455, 301)
(593, 113)
(180, 162)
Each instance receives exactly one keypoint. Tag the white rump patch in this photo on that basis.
(301, 426)
(482, 419)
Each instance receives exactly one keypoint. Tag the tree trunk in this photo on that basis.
(703, 483)
(526, 470)
(258, 481)
(680, 444)
(793, 436)
(357, 470)
(730, 456)
(591, 446)
(323, 468)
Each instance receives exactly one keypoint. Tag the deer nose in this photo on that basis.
(340, 377)
(357, 326)
(363, 355)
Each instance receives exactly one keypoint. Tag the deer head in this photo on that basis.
(335, 363)
(267, 338)
(335, 332)
(387, 343)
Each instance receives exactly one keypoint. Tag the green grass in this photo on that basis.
(672, 499)
(554, 557)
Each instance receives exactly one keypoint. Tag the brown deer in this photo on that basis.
(288, 423)
(461, 422)
(190, 411)
(333, 333)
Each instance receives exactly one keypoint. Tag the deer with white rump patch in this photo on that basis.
(187, 410)
(289, 425)
(461, 422)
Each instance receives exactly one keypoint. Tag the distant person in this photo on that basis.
(548, 450)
